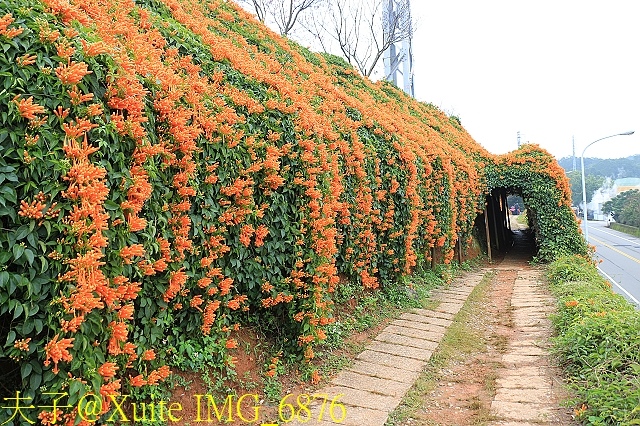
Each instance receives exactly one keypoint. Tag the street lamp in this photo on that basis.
(584, 190)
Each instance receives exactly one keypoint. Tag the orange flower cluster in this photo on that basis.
(56, 351)
(9, 33)
(27, 108)
(72, 73)
(267, 163)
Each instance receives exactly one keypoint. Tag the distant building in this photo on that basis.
(626, 184)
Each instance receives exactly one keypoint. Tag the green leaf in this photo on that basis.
(35, 381)
(22, 232)
(25, 370)
(111, 205)
(18, 310)
(29, 255)
(17, 250)
(11, 337)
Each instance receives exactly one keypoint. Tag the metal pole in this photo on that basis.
(584, 190)
(584, 200)
(486, 230)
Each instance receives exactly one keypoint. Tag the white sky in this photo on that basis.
(551, 69)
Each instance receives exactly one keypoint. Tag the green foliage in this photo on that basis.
(592, 184)
(598, 343)
(210, 148)
(572, 268)
(631, 230)
(626, 207)
(613, 168)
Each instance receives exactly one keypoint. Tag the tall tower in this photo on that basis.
(398, 59)
(574, 153)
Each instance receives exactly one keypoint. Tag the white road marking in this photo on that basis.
(636, 301)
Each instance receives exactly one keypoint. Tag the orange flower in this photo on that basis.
(128, 252)
(72, 73)
(315, 377)
(245, 235)
(94, 49)
(107, 370)
(26, 60)
(56, 351)
(571, 303)
(231, 343)
(27, 108)
(22, 344)
(137, 381)
(149, 355)
(261, 233)
(177, 281)
(126, 312)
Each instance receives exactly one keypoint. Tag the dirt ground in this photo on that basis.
(250, 384)
(466, 388)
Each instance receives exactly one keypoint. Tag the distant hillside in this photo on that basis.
(615, 168)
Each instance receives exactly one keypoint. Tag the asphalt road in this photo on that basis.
(620, 255)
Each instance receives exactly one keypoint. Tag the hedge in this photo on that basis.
(172, 170)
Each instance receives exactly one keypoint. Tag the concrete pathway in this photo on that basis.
(528, 388)
(380, 376)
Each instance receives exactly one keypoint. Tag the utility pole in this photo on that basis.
(574, 153)
(398, 60)
(518, 139)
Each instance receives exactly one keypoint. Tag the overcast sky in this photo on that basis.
(551, 69)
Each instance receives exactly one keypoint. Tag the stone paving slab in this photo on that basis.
(384, 371)
(395, 361)
(449, 307)
(534, 396)
(406, 341)
(437, 324)
(360, 398)
(524, 388)
(522, 411)
(397, 349)
(359, 416)
(524, 359)
(416, 333)
(423, 315)
(381, 374)
(529, 350)
(523, 382)
(372, 384)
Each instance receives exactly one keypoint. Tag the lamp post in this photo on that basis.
(584, 190)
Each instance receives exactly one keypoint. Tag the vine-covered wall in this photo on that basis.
(172, 169)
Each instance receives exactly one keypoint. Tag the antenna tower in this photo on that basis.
(398, 59)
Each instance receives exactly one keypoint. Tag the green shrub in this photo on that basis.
(598, 343)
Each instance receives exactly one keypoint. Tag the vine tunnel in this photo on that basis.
(494, 224)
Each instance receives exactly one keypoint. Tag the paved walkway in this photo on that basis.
(380, 376)
(527, 387)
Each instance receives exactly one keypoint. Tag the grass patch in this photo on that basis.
(459, 341)
(522, 218)
(598, 343)
(627, 229)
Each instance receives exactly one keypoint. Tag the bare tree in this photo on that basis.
(362, 30)
(283, 13)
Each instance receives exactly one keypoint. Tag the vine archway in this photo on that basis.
(534, 174)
